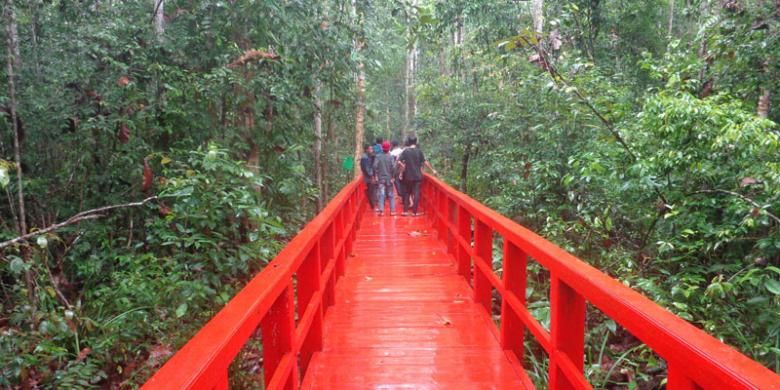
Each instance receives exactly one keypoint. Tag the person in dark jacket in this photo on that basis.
(384, 176)
(412, 161)
(367, 168)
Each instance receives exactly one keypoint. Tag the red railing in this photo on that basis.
(303, 274)
(694, 359)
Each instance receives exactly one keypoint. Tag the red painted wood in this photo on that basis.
(514, 279)
(696, 357)
(277, 329)
(404, 318)
(404, 314)
(203, 362)
(308, 287)
(463, 233)
(483, 250)
(567, 329)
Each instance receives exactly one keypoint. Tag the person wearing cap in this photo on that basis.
(384, 176)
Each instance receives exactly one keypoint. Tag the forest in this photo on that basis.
(156, 154)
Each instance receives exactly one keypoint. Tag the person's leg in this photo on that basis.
(370, 192)
(381, 196)
(416, 195)
(399, 187)
(391, 197)
(406, 185)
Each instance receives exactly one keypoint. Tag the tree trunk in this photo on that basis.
(411, 97)
(159, 19)
(464, 169)
(537, 14)
(671, 17)
(763, 103)
(318, 143)
(14, 59)
(360, 109)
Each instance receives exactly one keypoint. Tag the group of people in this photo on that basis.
(389, 168)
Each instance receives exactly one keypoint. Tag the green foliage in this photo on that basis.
(686, 211)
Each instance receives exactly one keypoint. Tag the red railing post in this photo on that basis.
(483, 251)
(278, 329)
(308, 285)
(338, 234)
(327, 246)
(464, 232)
(441, 206)
(451, 221)
(514, 279)
(567, 323)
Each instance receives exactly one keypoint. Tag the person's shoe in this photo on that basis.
(381, 213)
(420, 214)
(392, 213)
(405, 213)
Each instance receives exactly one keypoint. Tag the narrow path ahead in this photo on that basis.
(404, 319)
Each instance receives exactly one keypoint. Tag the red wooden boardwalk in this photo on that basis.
(357, 301)
(404, 318)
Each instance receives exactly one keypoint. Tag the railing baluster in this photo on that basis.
(451, 221)
(567, 331)
(464, 231)
(326, 256)
(278, 328)
(483, 250)
(514, 279)
(338, 234)
(308, 285)
(442, 221)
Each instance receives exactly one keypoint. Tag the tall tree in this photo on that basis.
(159, 18)
(537, 13)
(13, 60)
(360, 81)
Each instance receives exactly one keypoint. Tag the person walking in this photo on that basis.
(412, 161)
(396, 151)
(367, 168)
(384, 167)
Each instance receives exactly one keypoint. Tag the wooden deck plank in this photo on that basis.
(404, 319)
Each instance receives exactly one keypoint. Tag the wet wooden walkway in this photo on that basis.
(404, 319)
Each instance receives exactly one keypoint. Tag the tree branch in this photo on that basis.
(740, 196)
(82, 216)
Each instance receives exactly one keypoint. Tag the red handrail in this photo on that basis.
(694, 358)
(315, 257)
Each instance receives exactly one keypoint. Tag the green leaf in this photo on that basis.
(181, 310)
(17, 265)
(773, 286)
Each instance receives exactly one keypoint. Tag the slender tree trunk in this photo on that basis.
(537, 14)
(411, 98)
(671, 17)
(763, 103)
(464, 169)
(318, 143)
(14, 59)
(360, 109)
(159, 19)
